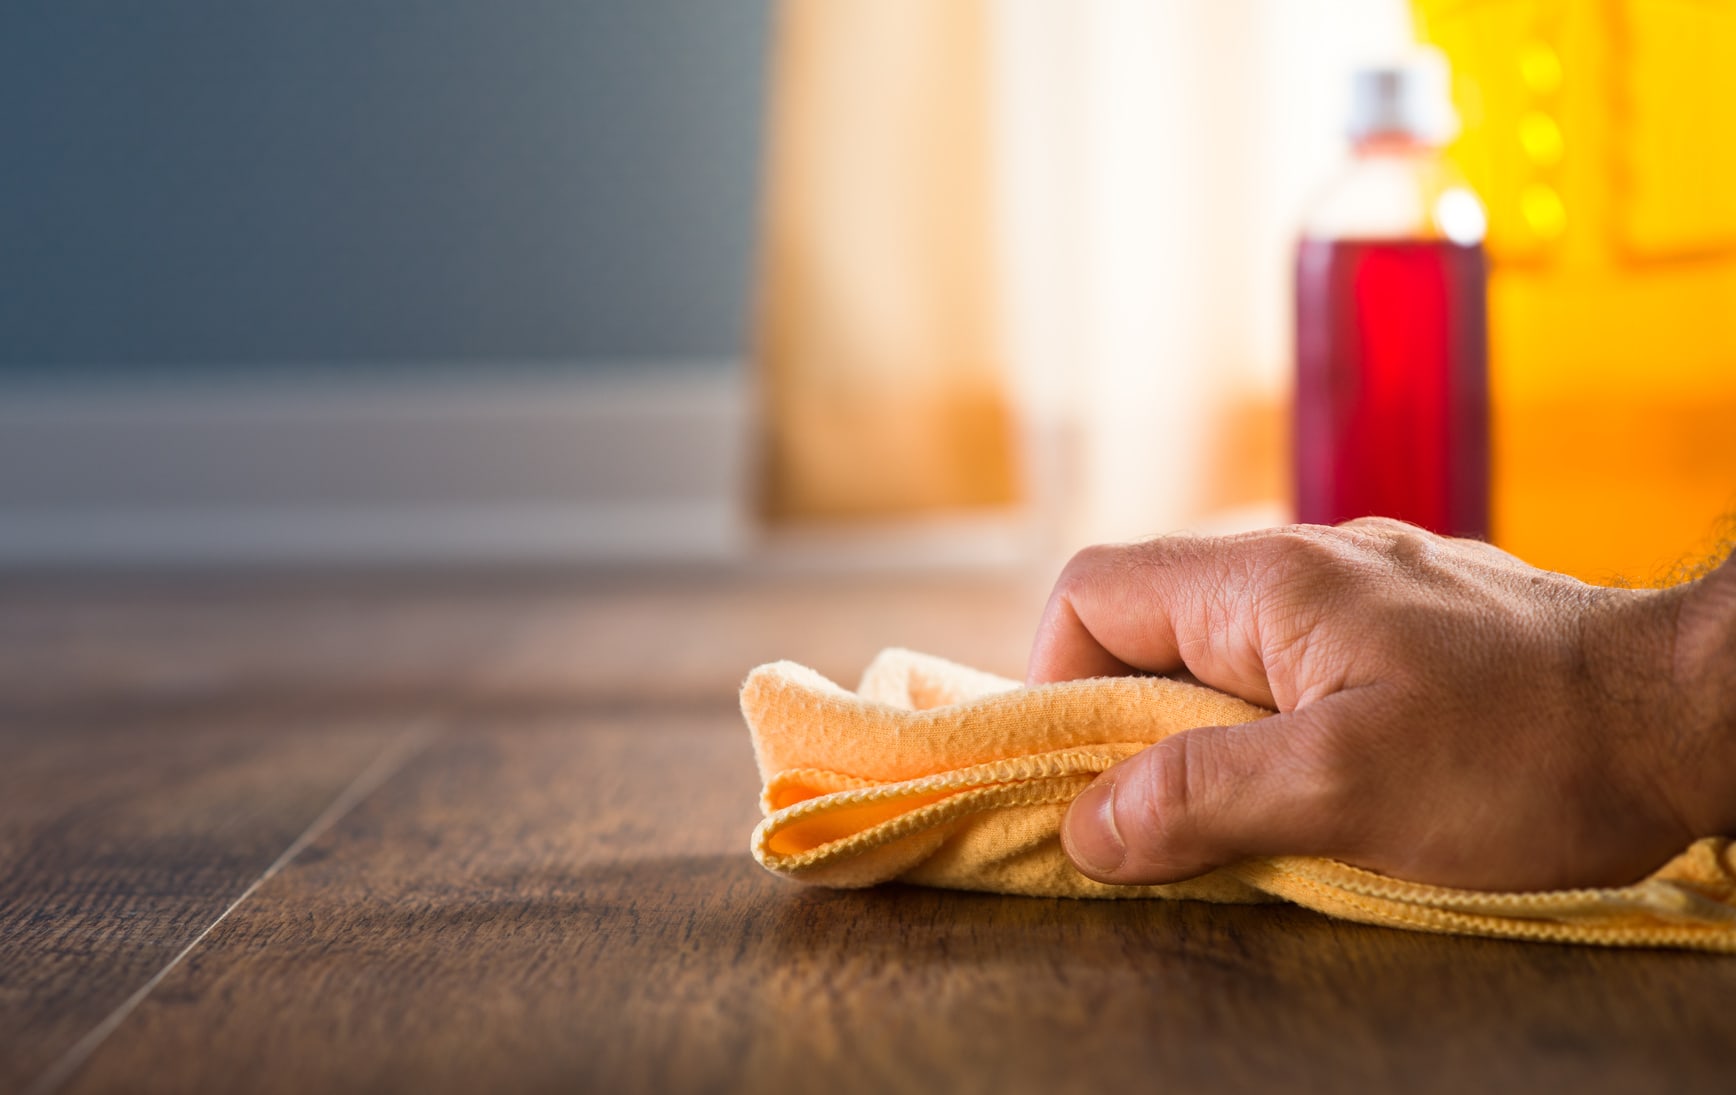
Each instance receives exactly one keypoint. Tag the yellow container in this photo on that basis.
(1602, 136)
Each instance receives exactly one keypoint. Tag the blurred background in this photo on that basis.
(812, 283)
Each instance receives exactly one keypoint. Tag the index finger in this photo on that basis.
(1158, 606)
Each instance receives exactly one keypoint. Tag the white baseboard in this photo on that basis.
(481, 464)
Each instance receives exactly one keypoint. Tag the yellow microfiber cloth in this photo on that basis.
(937, 774)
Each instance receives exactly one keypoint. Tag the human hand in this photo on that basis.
(1448, 714)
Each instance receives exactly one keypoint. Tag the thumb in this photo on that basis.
(1204, 798)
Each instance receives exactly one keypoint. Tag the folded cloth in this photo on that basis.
(940, 775)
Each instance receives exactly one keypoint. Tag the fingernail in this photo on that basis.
(1089, 832)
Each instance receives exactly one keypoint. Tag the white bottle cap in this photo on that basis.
(1409, 98)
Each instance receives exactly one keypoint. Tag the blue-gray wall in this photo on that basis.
(239, 183)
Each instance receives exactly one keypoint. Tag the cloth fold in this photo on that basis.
(940, 775)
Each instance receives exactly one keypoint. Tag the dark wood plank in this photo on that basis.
(122, 840)
(693, 640)
(111, 646)
(566, 903)
(556, 893)
(102, 645)
(164, 737)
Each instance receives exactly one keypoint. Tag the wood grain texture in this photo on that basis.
(557, 907)
(120, 842)
(555, 892)
(104, 645)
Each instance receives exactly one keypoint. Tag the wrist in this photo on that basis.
(1700, 700)
(1662, 669)
(1704, 671)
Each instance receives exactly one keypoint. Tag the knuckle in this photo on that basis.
(1304, 561)
(1414, 549)
(1161, 552)
(1165, 795)
(1088, 563)
(1399, 543)
(1307, 545)
(1105, 562)
(1081, 572)
(1377, 525)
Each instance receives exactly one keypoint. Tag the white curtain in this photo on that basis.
(1154, 159)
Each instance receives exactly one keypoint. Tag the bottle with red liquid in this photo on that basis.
(1392, 391)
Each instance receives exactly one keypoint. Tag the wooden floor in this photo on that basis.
(486, 833)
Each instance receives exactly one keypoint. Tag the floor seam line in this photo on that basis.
(387, 763)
